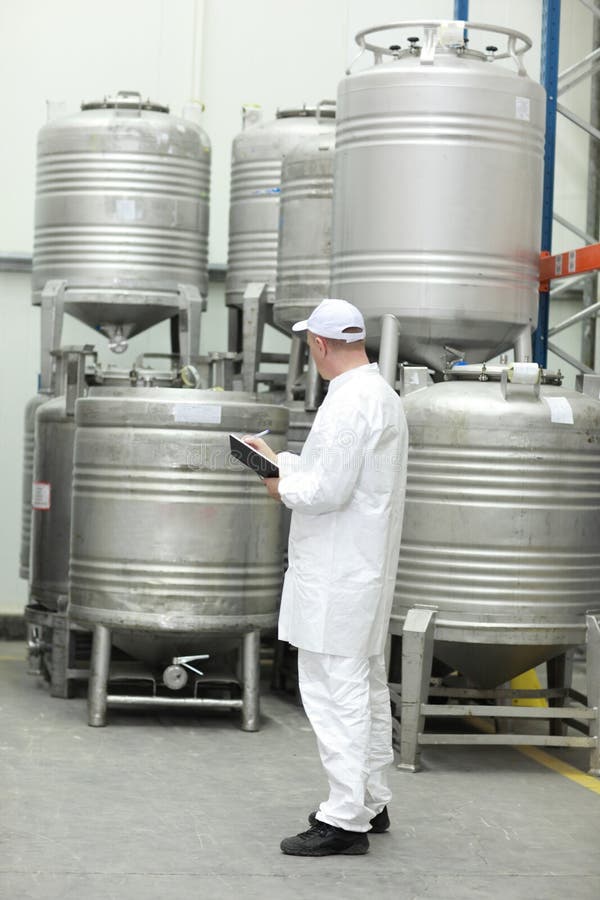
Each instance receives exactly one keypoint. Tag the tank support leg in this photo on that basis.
(505, 726)
(388, 349)
(191, 307)
(559, 673)
(417, 659)
(99, 668)
(314, 387)
(593, 687)
(53, 305)
(251, 681)
(255, 303)
(234, 329)
(297, 354)
(61, 647)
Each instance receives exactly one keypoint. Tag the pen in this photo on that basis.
(262, 433)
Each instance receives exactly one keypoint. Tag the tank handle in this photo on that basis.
(324, 133)
(521, 373)
(517, 43)
(129, 95)
(329, 104)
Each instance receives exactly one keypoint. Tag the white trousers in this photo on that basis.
(347, 702)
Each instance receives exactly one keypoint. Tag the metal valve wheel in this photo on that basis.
(175, 677)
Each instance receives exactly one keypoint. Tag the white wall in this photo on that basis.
(224, 53)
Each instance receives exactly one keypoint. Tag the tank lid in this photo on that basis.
(325, 112)
(125, 100)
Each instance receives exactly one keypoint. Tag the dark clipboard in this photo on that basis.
(252, 458)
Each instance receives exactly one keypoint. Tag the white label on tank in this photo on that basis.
(198, 413)
(126, 209)
(560, 410)
(413, 377)
(523, 108)
(40, 495)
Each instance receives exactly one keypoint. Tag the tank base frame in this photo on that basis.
(58, 650)
(412, 708)
(99, 699)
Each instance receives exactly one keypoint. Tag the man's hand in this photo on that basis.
(261, 446)
(272, 485)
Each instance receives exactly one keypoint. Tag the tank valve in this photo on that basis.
(116, 339)
(491, 49)
(36, 647)
(190, 377)
(175, 676)
(413, 41)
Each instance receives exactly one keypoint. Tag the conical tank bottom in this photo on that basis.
(157, 649)
(130, 318)
(490, 665)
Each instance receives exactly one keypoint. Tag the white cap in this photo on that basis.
(331, 317)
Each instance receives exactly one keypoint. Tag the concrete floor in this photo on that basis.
(157, 806)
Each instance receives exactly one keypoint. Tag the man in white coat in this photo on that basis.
(346, 492)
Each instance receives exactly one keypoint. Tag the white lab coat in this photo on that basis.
(346, 493)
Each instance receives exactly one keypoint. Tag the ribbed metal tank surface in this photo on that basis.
(256, 159)
(28, 451)
(169, 533)
(51, 520)
(501, 523)
(437, 201)
(122, 207)
(304, 252)
(299, 426)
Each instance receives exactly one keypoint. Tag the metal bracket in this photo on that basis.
(53, 308)
(255, 303)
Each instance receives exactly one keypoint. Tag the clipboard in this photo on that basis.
(250, 457)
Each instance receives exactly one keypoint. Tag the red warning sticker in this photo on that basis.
(40, 495)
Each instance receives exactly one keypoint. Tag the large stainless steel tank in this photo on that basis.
(502, 523)
(256, 159)
(169, 533)
(304, 252)
(437, 194)
(52, 481)
(122, 205)
(28, 448)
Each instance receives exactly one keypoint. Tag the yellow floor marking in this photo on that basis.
(545, 759)
(12, 658)
(563, 768)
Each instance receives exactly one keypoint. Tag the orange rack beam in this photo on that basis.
(573, 262)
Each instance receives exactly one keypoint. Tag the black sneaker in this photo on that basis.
(379, 823)
(325, 840)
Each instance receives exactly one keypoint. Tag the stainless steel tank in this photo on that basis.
(301, 421)
(304, 251)
(256, 159)
(122, 205)
(50, 488)
(169, 533)
(28, 449)
(502, 523)
(437, 192)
